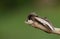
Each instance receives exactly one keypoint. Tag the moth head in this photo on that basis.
(30, 18)
(29, 22)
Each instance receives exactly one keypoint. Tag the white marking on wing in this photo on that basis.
(44, 22)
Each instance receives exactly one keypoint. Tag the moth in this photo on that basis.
(41, 23)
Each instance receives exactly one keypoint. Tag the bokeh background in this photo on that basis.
(13, 13)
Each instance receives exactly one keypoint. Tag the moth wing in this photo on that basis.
(45, 18)
(45, 25)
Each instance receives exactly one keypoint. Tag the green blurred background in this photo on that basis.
(14, 12)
